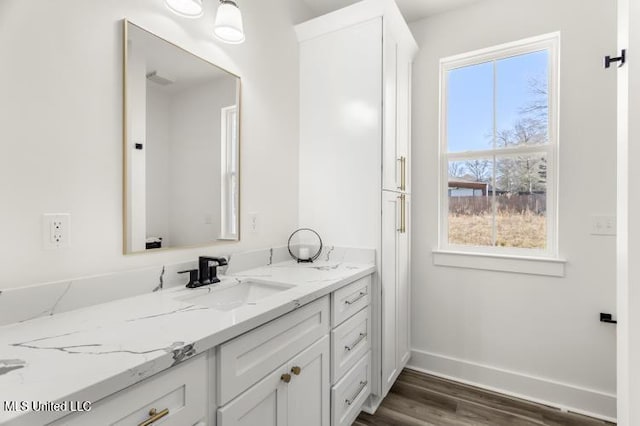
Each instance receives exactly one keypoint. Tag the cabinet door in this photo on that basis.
(397, 117)
(403, 289)
(390, 157)
(396, 297)
(403, 121)
(389, 273)
(310, 386)
(265, 404)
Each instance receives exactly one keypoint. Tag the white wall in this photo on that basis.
(136, 133)
(532, 326)
(61, 127)
(195, 164)
(156, 151)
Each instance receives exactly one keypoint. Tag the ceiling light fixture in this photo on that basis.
(185, 8)
(228, 25)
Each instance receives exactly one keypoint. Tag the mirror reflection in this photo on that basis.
(181, 146)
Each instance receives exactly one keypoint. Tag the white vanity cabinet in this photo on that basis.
(279, 373)
(176, 397)
(355, 120)
(351, 350)
(309, 367)
(245, 360)
(297, 393)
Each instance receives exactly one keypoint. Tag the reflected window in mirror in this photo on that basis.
(229, 156)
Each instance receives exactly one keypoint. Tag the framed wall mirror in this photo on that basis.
(181, 146)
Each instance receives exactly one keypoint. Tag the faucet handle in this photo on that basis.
(193, 277)
(220, 261)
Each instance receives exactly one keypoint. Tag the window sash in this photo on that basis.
(551, 43)
(229, 167)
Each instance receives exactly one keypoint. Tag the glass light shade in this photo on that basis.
(228, 26)
(185, 8)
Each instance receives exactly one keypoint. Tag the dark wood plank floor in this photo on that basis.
(418, 399)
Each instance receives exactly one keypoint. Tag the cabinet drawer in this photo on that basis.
(349, 342)
(245, 360)
(182, 391)
(348, 395)
(350, 299)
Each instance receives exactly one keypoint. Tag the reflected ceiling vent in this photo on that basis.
(163, 80)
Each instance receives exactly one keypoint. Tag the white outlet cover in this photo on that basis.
(56, 230)
(603, 225)
(254, 224)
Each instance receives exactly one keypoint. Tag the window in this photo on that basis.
(229, 156)
(498, 149)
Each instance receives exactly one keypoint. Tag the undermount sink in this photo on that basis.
(225, 297)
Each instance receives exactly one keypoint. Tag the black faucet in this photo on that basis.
(206, 272)
(209, 272)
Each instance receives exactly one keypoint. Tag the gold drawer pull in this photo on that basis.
(154, 416)
(355, 396)
(354, 344)
(296, 370)
(360, 296)
(286, 378)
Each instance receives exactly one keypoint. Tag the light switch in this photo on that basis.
(603, 225)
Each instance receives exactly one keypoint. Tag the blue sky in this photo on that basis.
(470, 98)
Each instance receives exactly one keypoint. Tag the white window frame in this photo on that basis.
(229, 173)
(551, 43)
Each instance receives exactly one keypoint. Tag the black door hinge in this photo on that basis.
(608, 60)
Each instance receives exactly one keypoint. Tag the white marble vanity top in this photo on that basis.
(89, 353)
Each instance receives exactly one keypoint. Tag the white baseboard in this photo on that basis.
(564, 396)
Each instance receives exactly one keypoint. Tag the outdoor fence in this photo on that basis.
(513, 203)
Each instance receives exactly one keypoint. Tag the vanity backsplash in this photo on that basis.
(25, 303)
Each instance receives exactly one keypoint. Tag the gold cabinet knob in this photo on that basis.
(286, 378)
(296, 370)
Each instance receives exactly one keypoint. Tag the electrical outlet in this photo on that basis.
(253, 223)
(56, 229)
(603, 225)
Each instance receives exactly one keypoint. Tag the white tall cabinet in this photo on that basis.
(355, 157)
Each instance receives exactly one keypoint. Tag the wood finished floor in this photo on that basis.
(418, 399)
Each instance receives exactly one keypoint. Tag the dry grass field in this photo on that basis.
(524, 230)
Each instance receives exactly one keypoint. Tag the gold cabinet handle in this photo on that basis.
(403, 214)
(354, 344)
(352, 301)
(403, 173)
(355, 396)
(296, 370)
(286, 378)
(154, 416)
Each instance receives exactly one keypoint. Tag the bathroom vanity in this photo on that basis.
(283, 344)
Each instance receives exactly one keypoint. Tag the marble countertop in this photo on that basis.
(92, 352)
